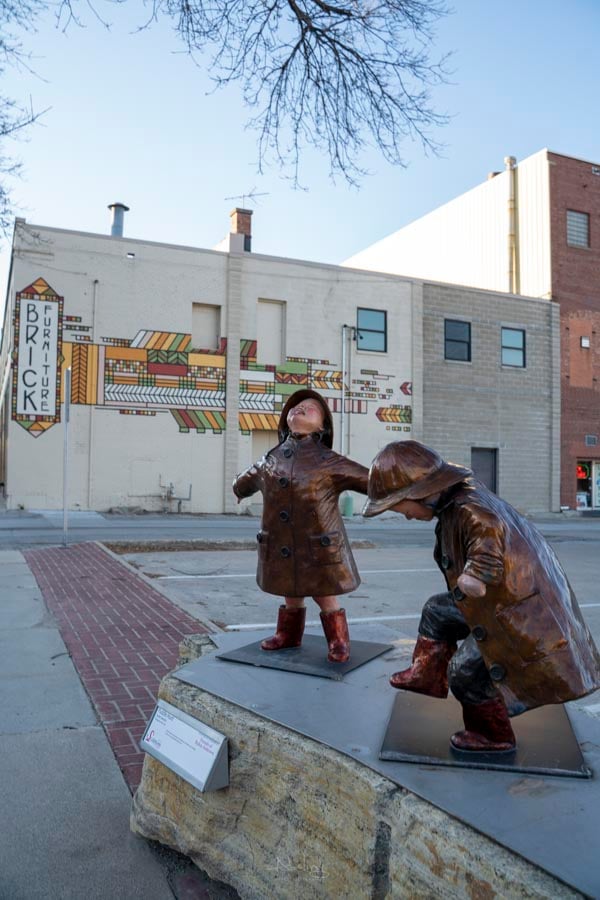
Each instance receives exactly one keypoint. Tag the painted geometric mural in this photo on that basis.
(264, 390)
(158, 372)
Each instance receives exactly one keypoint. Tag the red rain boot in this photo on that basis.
(290, 628)
(487, 728)
(429, 671)
(336, 631)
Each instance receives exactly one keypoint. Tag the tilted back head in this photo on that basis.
(283, 428)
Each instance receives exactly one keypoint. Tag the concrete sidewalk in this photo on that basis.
(84, 643)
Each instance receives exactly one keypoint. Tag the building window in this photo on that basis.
(578, 229)
(457, 340)
(270, 332)
(584, 484)
(513, 347)
(206, 326)
(371, 330)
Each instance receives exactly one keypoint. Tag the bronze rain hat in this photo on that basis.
(408, 470)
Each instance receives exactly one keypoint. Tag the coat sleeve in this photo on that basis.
(350, 476)
(247, 483)
(483, 540)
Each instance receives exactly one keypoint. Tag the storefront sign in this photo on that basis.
(38, 350)
(191, 749)
(37, 357)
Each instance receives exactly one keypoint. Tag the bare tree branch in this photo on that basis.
(339, 77)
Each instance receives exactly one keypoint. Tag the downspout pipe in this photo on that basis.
(346, 329)
(510, 162)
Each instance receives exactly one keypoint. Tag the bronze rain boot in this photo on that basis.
(336, 631)
(487, 728)
(290, 628)
(428, 673)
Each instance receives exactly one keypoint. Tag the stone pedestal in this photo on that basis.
(301, 820)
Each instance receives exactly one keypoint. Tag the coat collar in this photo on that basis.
(448, 497)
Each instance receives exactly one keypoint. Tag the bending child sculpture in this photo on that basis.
(524, 641)
(303, 549)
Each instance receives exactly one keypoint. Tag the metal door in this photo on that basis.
(484, 462)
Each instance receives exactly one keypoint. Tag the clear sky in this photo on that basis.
(131, 119)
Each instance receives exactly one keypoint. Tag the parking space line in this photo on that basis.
(315, 622)
(253, 574)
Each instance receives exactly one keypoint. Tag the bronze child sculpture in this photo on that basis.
(524, 641)
(303, 549)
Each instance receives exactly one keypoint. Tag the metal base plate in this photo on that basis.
(419, 731)
(308, 659)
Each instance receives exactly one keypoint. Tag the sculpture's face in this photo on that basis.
(306, 417)
(414, 509)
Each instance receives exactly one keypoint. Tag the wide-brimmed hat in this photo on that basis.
(408, 470)
(306, 394)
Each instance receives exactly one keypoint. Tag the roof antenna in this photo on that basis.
(252, 195)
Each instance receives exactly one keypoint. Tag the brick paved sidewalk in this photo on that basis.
(122, 635)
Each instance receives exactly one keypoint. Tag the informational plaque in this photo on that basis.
(188, 747)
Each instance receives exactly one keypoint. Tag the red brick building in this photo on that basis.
(575, 254)
(533, 229)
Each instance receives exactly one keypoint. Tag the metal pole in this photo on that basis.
(349, 365)
(510, 163)
(343, 388)
(66, 411)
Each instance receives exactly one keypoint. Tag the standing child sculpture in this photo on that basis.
(303, 549)
(524, 641)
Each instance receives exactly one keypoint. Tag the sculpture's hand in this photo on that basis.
(471, 586)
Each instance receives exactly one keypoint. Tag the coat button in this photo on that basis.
(284, 515)
(445, 562)
(285, 552)
(479, 633)
(325, 541)
(287, 453)
(283, 481)
(259, 537)
(497, 672)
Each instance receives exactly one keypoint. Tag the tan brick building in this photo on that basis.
(176, 362)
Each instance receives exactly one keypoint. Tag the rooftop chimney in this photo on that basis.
(118, 215)
(241, 223)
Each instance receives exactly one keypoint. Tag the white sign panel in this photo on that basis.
(38, 350)
(188, 747)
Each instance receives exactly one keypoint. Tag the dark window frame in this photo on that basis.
(448, 340)
(575, 243)
(504, 347)
(360, 330)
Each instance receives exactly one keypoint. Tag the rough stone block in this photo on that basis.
(301, 820)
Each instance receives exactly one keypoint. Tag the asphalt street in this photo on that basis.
(218, 587)
(20, 529)
(398, 574)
